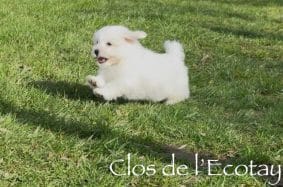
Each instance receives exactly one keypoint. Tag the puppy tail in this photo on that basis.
(174, 48)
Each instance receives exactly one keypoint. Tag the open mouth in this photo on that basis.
(101, 60)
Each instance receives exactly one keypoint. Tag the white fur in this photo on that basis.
(136, 73)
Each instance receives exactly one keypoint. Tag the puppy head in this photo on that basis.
(113, 43)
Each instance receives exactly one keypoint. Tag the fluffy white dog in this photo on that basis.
(128, 70)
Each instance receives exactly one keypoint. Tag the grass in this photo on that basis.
(54, 132)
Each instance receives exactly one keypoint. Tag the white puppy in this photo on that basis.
(128, 70)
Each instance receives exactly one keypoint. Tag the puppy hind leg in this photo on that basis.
(171, 101)
(174, 99)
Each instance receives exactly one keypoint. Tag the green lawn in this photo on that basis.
(54, 132)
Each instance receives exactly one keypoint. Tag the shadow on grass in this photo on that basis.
(257, 3)
(244, 33)
(160, 11)
(100, 129)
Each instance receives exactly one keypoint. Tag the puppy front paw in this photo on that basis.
(94, 81)
(91, 82)
(107, 95)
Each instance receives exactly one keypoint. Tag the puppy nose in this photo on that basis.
(96, 52)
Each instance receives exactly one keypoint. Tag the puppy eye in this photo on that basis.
(109, 44)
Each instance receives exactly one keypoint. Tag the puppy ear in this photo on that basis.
(139, 34)
(132, 36)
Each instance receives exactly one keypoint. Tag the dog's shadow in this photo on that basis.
(69, 90)
(74, 91)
